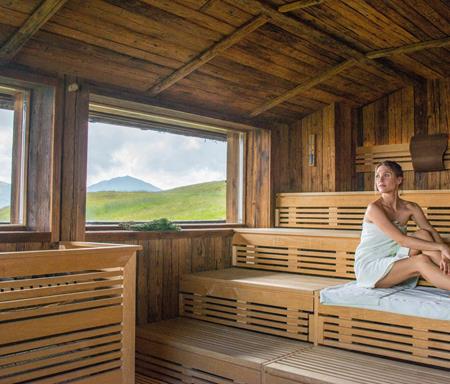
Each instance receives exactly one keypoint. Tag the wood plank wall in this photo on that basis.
(164, 259)
(333, 170)
(393, 119)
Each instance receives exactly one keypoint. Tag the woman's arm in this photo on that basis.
(376, 214)
(422, 222)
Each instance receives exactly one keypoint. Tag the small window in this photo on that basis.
(140, 169)
(13, 139)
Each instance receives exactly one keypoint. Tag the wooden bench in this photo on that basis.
(345, 210)
(328, 366)
(192, 351)
(274, 303)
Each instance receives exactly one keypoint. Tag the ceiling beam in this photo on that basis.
(209, 54)
(438, 43)
(299, 5)
(39, 17)
(308, 84)
(313, 81)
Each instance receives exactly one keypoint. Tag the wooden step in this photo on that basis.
(186, 350)
(275, 303)
(320, 365)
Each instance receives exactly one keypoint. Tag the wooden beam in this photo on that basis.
(209, 54)
(39, 17)
(311, 82)
(299, 5)
(409, 48)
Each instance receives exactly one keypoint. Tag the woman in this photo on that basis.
(387, 256)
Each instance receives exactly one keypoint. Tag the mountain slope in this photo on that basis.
(123, 184)
(205, 201)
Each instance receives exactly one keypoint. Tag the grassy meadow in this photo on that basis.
(205, 201)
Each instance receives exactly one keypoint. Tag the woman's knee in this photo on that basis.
(421, 261)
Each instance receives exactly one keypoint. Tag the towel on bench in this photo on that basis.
(428, 302)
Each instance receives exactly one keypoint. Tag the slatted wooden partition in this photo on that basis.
(345, 210)
(68, 315)
(308, 252)
(368, 157)
(383, 333)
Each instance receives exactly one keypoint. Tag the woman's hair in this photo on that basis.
(393, 166)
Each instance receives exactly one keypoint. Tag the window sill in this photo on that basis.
(15, 235)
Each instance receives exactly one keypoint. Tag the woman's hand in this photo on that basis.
(445, 251)
(444, 266)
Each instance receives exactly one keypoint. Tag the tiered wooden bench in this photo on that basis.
(257, 294)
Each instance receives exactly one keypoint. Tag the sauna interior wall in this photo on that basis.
(424, 108)
(339, 129)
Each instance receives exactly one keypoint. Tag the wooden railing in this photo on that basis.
(68, 314)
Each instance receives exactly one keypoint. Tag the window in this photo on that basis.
(13, 138)
(143, 167)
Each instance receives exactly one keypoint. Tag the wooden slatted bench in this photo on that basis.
(192, 351)
(328, 366)
(274, 303)
(345, 210)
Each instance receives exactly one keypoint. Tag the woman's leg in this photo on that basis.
(423, 234)
(414, 266)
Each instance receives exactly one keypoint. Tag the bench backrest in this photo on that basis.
(345, 210)
(324, 253)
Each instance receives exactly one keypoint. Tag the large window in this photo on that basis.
(13, 138)
(141, 168)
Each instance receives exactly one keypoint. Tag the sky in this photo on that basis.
(162, 159)
(165, 160)
(6, 134)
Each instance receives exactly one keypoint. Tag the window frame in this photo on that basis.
(20, 149)
(236, 141)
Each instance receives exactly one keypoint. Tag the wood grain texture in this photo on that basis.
(39, 17)
(74, 163)
(163, 261)
(394, 119)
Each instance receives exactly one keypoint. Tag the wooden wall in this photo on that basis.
(394, 119)
(164, 259)
(333, 143)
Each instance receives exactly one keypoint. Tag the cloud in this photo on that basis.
(6, 139)
(162, 159)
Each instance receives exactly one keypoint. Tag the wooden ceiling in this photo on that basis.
(245, 60)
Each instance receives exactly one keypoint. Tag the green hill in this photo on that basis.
(4, 215)
(205, 201)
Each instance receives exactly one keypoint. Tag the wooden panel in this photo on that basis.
(306, 253)
(329, 366)
(188, 351)
(333, 141)
(258, 188)
(68, 314)
(382, 333)
(345, 210)
(74, 153)
(394, 119)
(164, 260)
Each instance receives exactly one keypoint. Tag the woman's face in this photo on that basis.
(385, 179)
